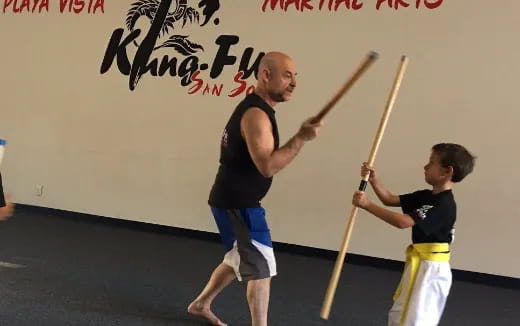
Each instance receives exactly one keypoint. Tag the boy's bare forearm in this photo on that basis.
(384, 195)
(398, 220)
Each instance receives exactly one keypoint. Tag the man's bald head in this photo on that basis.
(273, 61)
(276, 76)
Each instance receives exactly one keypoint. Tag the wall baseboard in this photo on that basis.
(355, 259)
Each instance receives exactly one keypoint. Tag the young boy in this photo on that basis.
(426, 281)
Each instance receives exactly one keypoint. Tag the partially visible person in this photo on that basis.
(6, 206)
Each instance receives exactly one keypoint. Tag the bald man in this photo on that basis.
(249, 158)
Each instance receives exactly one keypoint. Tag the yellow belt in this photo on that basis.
(416, 253)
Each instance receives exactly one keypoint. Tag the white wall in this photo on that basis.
(151, 154)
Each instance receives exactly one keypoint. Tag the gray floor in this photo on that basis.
(73, 272)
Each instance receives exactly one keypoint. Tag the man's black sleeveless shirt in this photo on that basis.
(238, 183)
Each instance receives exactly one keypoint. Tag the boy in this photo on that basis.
(426, 281)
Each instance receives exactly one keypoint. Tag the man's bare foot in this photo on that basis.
(197, 309)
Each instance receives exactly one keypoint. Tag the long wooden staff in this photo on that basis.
(325, 311)
(371, 57)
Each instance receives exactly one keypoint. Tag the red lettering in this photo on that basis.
(272, 4)
(217, 90)
(99, 4)
(303, 5)
(25, 4)
(357, 6)
(63, 3)
(296, 3)
(241, 88)
(330, 4)
(79, 6)
(43, 5)
(198, 82)
(306, 5)
(395, 5)
(401, 2)
(7, 3)
(214, 90)
(380, 2)
(20, 6)
(206, 90)
(300, 5)
(350, 4)
(431, 5)
(338, 3)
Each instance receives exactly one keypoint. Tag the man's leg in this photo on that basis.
(201, 306)
(258, 300)
(222, 275)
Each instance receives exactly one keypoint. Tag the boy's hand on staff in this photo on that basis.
(368, 170)
(360, 199)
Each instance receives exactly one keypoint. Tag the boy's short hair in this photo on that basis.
(456, 156)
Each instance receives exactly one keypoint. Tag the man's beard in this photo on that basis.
(278, 96)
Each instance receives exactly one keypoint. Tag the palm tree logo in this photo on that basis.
(176, 19)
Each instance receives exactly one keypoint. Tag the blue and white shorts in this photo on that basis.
(246, 236)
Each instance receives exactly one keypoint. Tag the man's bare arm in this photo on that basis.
(257, 132)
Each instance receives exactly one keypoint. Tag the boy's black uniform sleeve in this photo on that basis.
(408, 201)
(2, 199)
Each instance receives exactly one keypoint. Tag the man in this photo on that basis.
(250, 157)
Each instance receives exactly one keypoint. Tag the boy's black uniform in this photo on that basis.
(426, 281)
(434, 215)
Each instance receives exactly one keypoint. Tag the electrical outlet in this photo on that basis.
(39, 190)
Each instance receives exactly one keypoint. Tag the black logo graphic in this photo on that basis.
(182, 13)
(167, 18)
